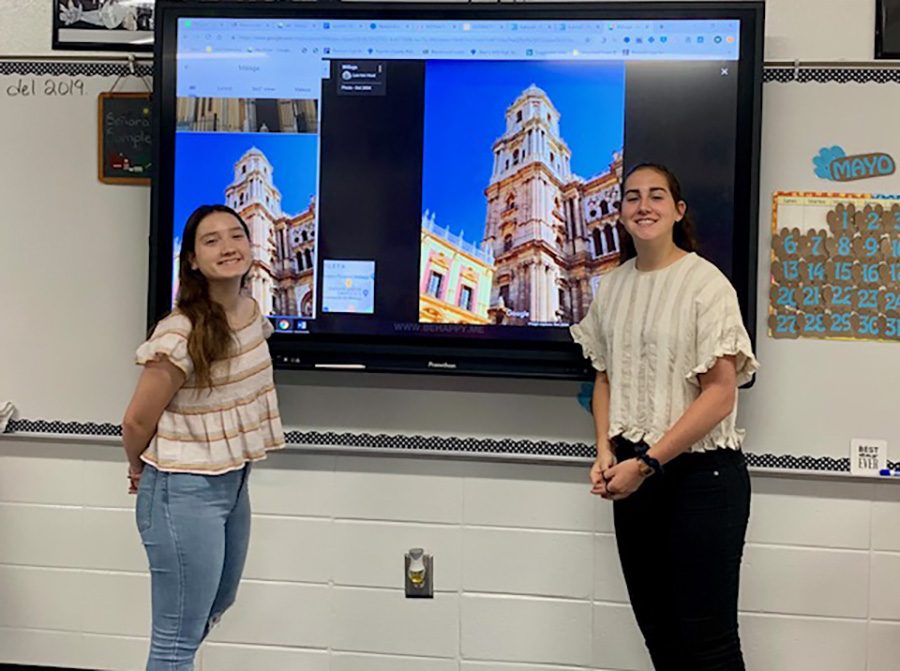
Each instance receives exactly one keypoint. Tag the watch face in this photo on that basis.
(644, 468)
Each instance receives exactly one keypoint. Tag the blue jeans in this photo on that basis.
(195, 529)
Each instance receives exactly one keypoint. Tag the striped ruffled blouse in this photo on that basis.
(213, 431)
(654, 333)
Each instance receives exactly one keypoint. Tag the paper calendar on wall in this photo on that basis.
(835, 266)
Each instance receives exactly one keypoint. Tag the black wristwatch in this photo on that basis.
(647, 465)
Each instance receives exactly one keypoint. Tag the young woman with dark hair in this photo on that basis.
(204, 409)
(666, 338)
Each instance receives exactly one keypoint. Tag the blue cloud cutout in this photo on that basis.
(822, 162)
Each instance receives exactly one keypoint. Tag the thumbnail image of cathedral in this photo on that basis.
(548, 236)
(283, 245)
(246, 115)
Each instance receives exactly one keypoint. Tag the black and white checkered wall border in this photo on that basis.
(773, 73)
(792, 463)
(840, 75)
(448, 445)
(75, 68)
(439, 444)
(55, 427)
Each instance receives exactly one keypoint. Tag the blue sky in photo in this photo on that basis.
(465, 113)
(204, 168)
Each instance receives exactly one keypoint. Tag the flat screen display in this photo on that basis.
(438, 187)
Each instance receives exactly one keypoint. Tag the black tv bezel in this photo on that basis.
(880, 52)
(464, 356)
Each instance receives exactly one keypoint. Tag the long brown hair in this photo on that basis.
(683, 231)
(211, 336)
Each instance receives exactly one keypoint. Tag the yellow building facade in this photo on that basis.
(456, 277)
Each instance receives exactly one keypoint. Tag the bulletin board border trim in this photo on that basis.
(59, 68)
(852, 74)
(860, 73)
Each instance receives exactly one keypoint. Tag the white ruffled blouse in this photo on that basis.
(213, 431)
(653, 333)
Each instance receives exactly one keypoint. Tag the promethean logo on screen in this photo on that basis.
(441, 364)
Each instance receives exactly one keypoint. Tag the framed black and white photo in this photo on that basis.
(103, 25)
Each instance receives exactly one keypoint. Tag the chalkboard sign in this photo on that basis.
(124, 138)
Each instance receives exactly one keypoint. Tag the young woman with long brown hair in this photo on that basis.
(204, 409)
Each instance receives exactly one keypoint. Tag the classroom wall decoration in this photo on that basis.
(103, 25)
(124, 135)
(833, 163)
(835, 266)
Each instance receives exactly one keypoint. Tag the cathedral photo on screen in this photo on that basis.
(270, 180)
(529, 244)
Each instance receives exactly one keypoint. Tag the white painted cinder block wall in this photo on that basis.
(526, 573)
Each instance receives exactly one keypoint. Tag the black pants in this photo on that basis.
(680, 538)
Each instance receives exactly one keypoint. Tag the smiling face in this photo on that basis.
(649, 211)
(221, 248)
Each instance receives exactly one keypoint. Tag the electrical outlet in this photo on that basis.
(418, 574)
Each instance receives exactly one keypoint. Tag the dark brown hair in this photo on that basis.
(683, 231)
(211, 336)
